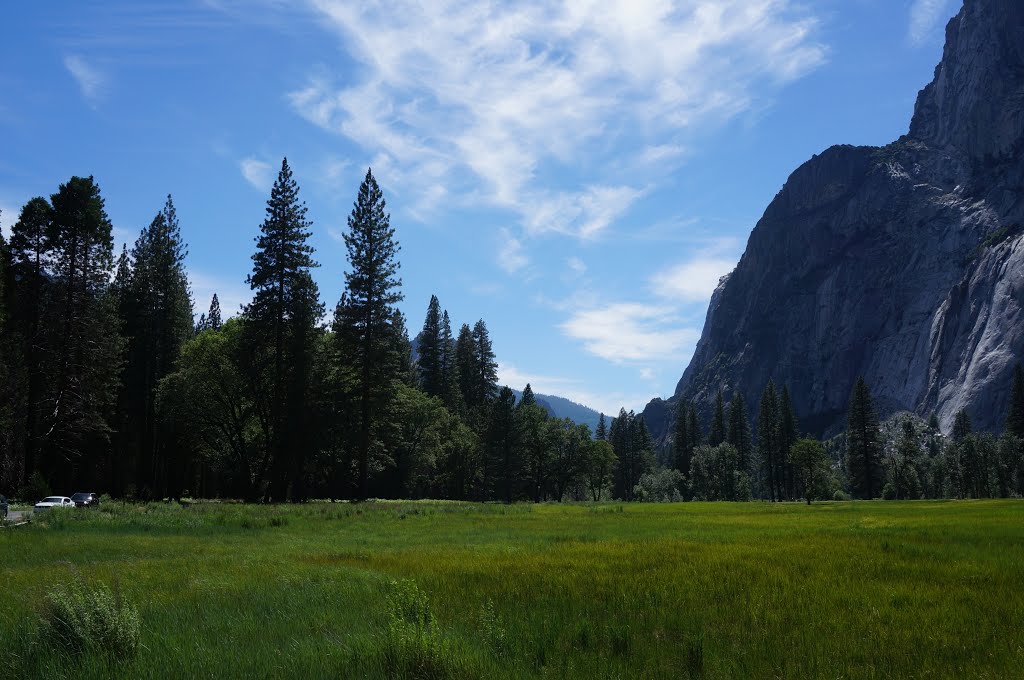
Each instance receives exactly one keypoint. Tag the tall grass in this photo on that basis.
(79, 618)
(441, 590)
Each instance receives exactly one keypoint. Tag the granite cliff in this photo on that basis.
(903, 263)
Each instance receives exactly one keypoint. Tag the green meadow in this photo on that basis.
(453, 590)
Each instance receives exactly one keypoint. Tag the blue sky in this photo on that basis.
(578, 174)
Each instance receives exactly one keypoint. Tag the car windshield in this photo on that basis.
(80, 497)
(52, 499)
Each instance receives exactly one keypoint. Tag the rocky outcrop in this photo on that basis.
(976, 102)
(903, 263)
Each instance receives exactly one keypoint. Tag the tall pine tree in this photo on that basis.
(962, 426)
(533, 442)
(863, 443)
(485, 376)
(619, 437)
(739, 433)
(450, 394)
(32, 239)
(465, 370)
(10, 460)
(365, 316)
(82, 381)
(768, 441)
(429, 350)
(213, 317)
(156, 309)
(716, 435)
(407, 371)
(280, 330)
(632, 444)
(503, 464)
(693, 432)
(681, 442)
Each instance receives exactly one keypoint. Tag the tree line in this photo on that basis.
(904, 457)
(108, 382)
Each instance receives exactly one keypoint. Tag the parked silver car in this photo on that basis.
(53, 502)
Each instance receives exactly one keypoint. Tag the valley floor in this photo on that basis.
(835, 590)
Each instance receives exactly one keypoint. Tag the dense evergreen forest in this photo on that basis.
(108, 383)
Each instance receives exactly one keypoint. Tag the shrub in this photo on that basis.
(493, 631)
(413, 646)
(409, 608)
(56, 519)
(79, 618)
(659, 487)
(840, 495)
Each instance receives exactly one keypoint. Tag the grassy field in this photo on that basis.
(844, 590)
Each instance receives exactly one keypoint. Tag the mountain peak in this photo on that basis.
(975, 103)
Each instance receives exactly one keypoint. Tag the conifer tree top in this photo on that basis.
(281, 246)
(372, 248)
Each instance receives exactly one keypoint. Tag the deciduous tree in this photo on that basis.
(810, 462)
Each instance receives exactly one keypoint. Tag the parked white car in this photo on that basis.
(53, 502)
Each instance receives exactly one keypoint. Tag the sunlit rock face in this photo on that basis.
(904, 264)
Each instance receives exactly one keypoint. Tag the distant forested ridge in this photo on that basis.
(560, 407)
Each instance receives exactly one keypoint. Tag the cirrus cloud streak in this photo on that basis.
(548, 108)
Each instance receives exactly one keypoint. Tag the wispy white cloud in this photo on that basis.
(576, 266)
(631, 332)
(515, 378)
(585, 213)
(333, 170)
(926, 16)
(257, 173)
(628, 331)
(493, 100)
(691, 281)
(511, 256)
(662, 154)
(91, 81)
